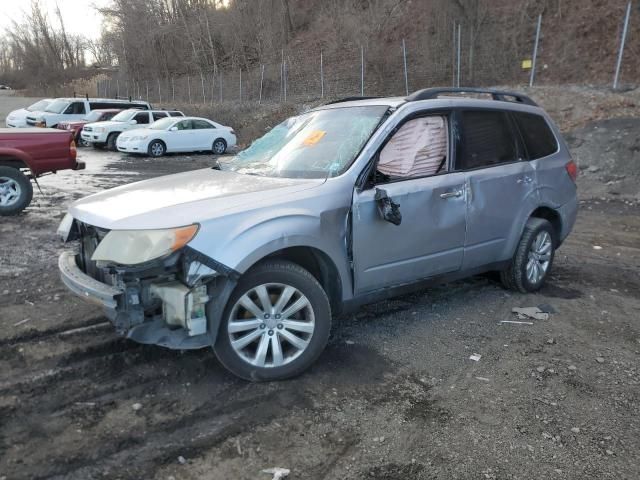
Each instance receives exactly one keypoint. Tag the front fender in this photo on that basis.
(240, 243)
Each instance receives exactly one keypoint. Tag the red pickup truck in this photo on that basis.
(26, 154)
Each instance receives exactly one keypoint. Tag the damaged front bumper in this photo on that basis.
(157, 304)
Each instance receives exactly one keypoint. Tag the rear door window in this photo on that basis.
(201, 124)
(486, 139)
(538, 138)
(176, 114)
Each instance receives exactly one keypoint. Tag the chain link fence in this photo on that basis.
(455, 54)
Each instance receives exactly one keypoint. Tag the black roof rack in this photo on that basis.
(350, 99)
(499, 95)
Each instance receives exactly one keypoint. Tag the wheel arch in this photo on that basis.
(552, 216)
(318, 264)
(14, 158)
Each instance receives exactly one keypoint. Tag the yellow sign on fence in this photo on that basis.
(526, 64)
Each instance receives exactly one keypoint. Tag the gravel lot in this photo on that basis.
(395, 395)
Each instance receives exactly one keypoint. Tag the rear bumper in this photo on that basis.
(80, 166)
(84, 286)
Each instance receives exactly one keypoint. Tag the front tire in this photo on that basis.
(111, 141)
(276, 323)
(16, 191)
(157, 148)
(533, 259)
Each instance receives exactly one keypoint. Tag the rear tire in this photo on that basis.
(111, 141)
(16, 191)
(531, 264)
(291, 329)
(219, 146)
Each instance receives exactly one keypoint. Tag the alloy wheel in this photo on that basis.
(539, 257)
(271, 325)
(10, 192)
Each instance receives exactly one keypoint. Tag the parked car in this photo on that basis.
(69, 109)
(169, 135)
(102, 134)
(94, 116)
(350, 203)
(18, 118)
(5, 87)
(27, 153)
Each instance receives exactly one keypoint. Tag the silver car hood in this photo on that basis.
(183, 199)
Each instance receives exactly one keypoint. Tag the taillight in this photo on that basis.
(572, 170)
(72, 149)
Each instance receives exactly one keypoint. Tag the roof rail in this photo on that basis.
(349, 99)
(499, 95)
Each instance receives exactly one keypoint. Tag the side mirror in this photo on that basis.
(173, 129)
(133, 122)
(389, 210)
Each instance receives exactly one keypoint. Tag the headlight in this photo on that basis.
(130, 247)
(98, 129)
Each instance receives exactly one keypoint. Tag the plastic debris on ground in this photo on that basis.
(277, 472)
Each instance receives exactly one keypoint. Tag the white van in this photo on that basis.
(18, 118)
(65, 109)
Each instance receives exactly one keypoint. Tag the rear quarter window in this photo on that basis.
(538, 138)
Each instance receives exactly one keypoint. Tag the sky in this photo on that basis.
(80, 16)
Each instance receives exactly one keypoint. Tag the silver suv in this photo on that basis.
(349, 203)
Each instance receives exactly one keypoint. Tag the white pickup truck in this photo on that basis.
(69, 109)
(106, 133)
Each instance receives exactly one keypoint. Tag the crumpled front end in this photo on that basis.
(162, 301)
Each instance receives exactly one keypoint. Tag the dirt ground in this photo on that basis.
(394, 396)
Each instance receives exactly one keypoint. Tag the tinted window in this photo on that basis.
(141, 118)
(159, 115)
(176, 114)
(201, 124)
(76, 108)
(538, 137)
(486, 139)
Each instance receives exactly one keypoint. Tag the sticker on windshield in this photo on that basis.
(314, 137)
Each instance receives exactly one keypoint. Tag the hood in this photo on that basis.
(182, 199)
(20, 114)
(38, 114)
(136, 132)
(75, 123)
(105, 123)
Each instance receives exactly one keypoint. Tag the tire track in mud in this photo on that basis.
(190, 435)
(69, 328)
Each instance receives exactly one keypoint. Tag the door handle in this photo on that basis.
(525, 180)
(455, 193)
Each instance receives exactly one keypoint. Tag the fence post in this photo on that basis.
(173, 91)
(321, 76)
(261, 82)
(117, 87)
(146, 82)
(220, 87)
(453, 57)
(458, 61)
(189, 88)
(535, 52)
(240, 85)
(281, 75)
(204, 98)
(159, 92)
(404, 61)
(284, 77)
(621, 51)
(361, 70)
